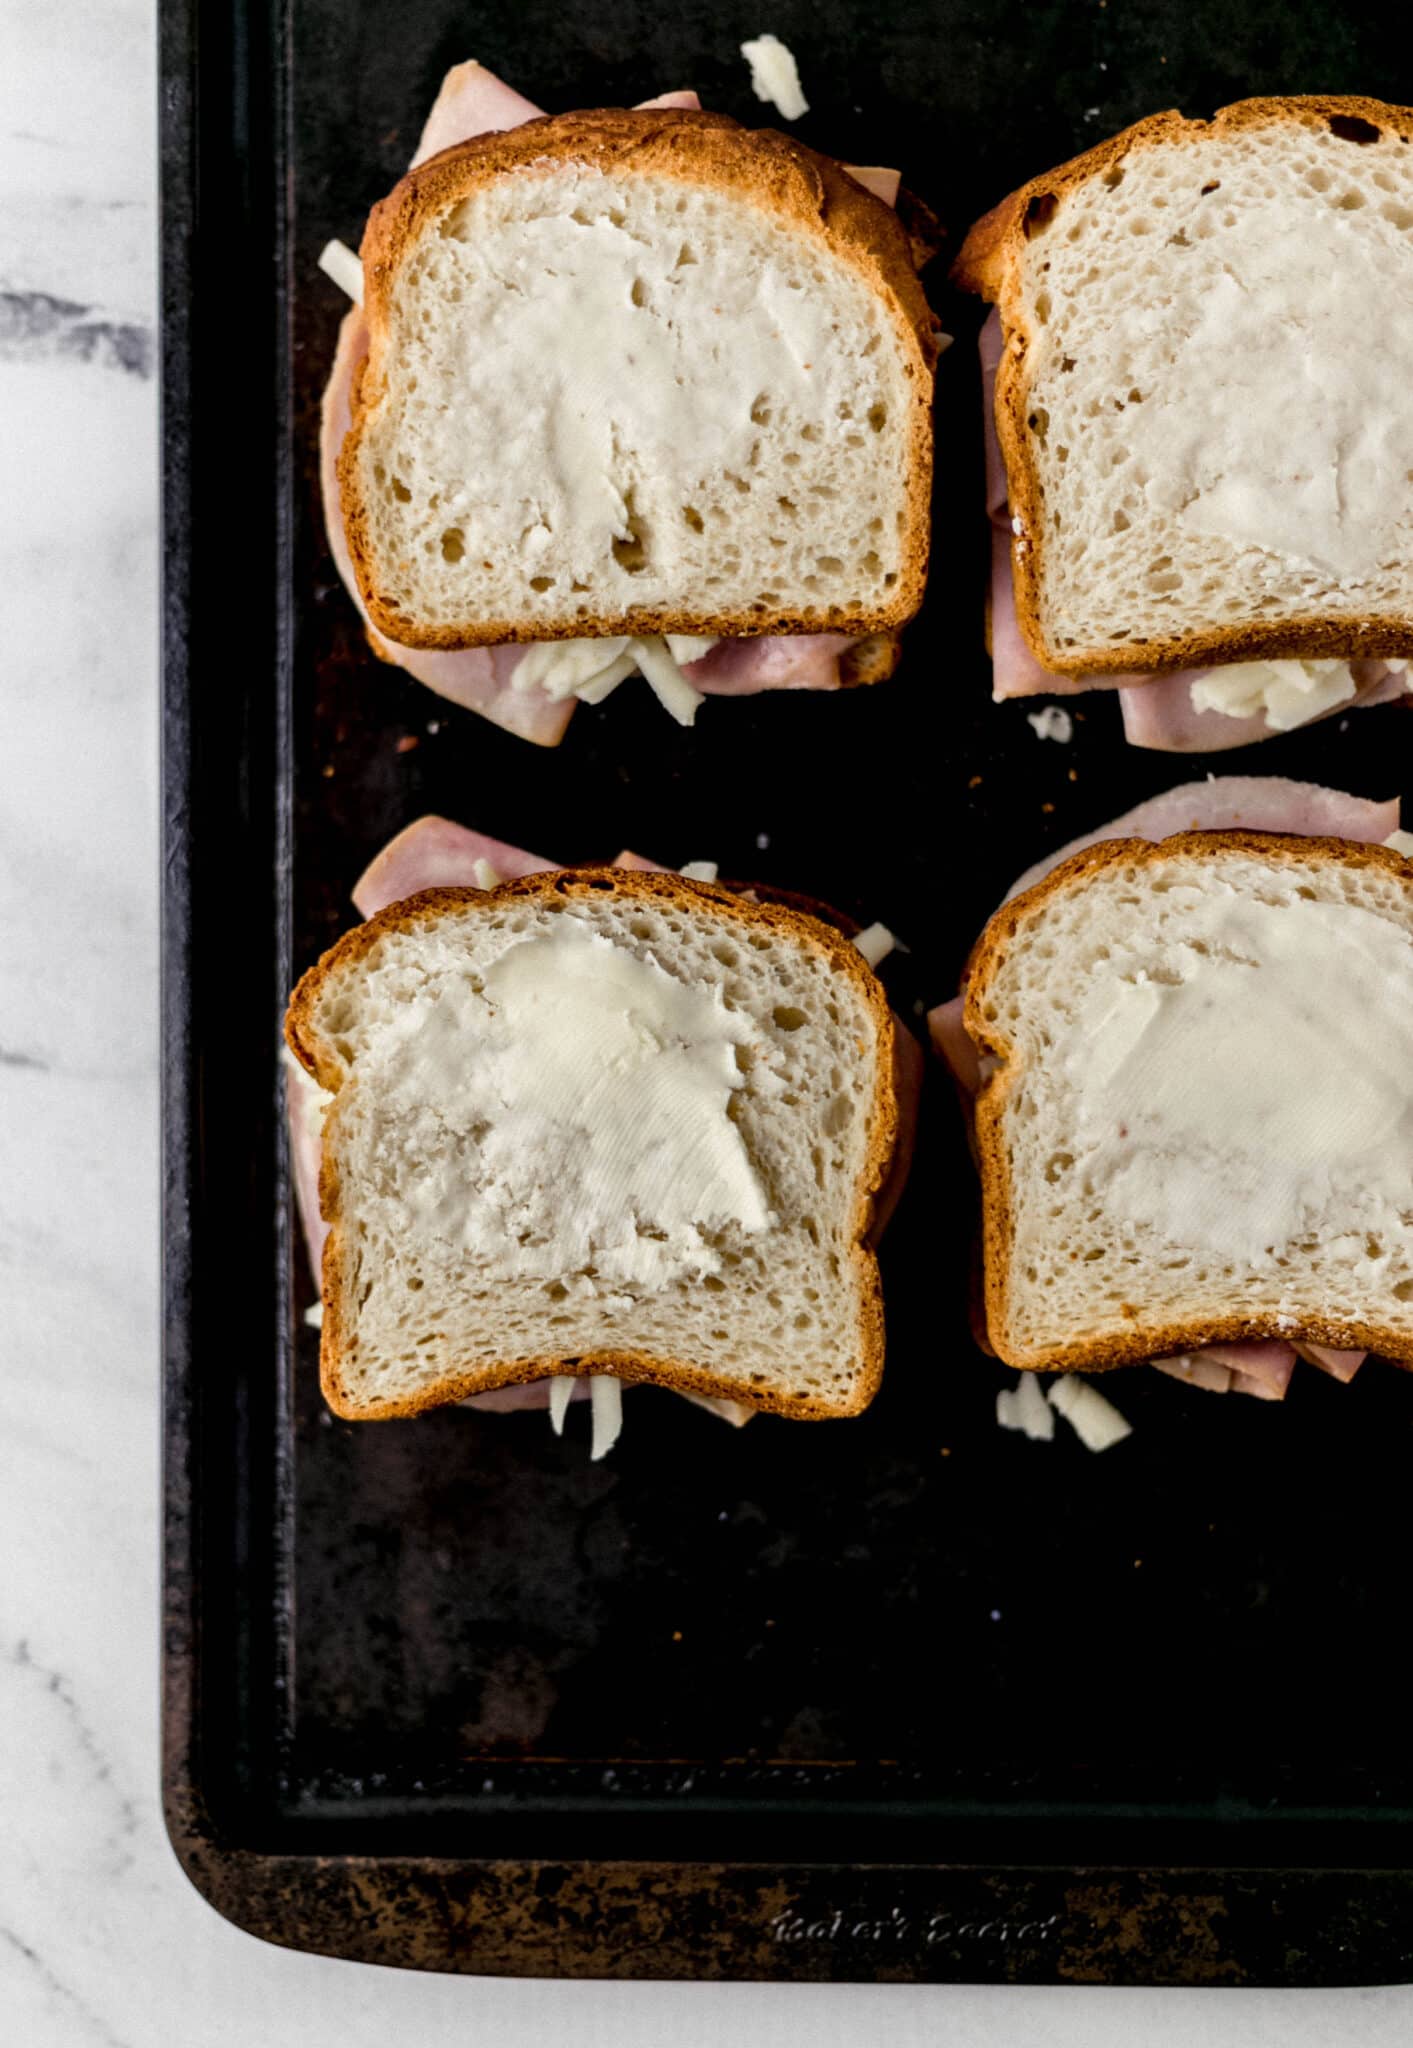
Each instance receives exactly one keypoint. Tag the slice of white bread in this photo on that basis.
(633, 372)
(1196, 1119)
(1202, 400)
(533, 1167)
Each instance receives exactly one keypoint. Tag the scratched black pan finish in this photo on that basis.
(905, 1697)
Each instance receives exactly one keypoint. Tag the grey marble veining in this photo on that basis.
(101, 1939)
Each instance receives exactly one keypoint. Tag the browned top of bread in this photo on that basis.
(989, 263)
(789, 918)
(808, 190)
(1146, 1340)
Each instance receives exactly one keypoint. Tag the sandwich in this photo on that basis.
(602, 1125)
(1199, 447)
(1185, 1045)
(630, 391)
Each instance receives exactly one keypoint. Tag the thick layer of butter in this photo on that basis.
(609, 368)
(569, 1119)
(1288, 693)
(1253, 1081)
(1283, 424)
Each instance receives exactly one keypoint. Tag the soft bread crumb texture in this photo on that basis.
(603, 397)
(784, 1317)
(1243, 1165)
(1206, 426)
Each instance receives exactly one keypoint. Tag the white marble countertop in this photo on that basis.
(101, 1938)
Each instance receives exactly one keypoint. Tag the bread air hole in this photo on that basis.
(453, 544)
(1350, 128)
(630, 551)
(1040, 210)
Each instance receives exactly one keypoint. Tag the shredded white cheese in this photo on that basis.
(314, 1316)
(1287, 693)
(1024, 1407)
(591, 669)
(775, 76)
(699, 871)
(561, 668)
(1196, 1372)
(338, 261)
(1051, 724)
(560, 1394)
(1096, 1422)
(1401, 842)
(606, 1400)
(605, 683)
(671, 688)
(737, 1413)
(875, 942)
(686, 647)
(486, 876)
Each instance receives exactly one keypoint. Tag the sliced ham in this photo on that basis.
(1158, 711)
(473, 101)
(1224, 803)
(788, 661)
(638, 863)
(1260, 1366)
(1196, 1369)
(883, 184)
(1262, 1370)
(1340, 1365)
(303, 1107)
(434, 853)
(1260, 803)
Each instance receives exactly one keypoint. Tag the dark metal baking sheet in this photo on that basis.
(905, 1697)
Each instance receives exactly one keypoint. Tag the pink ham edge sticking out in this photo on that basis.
(473, 101)
(434, 853)
(1158, 711)
(1259, 803)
